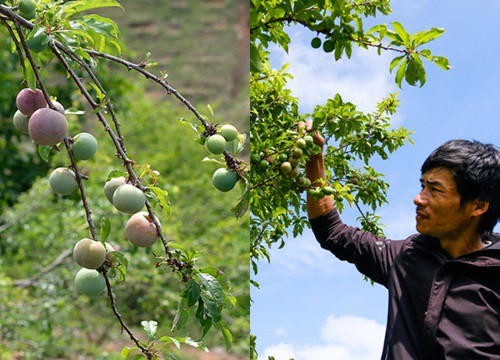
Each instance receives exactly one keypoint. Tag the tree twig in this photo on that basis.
(34, 279)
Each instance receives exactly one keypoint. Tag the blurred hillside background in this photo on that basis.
(203, 46)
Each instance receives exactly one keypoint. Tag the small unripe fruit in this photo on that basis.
(303, 182)
(85, 146)
(89, 254)
(47, 127)
(270, 159)
(282, 157)
(328, 46)
(328, 190)
(316, 42)
(224, 179)
(111, 186)
(89, 282)
(297, 152)
(309, 140)
(37, 43)
(294, 173)
(21, 121)
(27, 6)
(58, 106)
(62, 181)
(354, 180)
(109, 249)
(229, 132)
(140, 231)
(216, 144)
(301, 143)
(285, 168)
(294, 161)
(28, 101)
(128, 199)
(263, 164)
(255, 158)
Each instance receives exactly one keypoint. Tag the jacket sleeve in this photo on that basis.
(372, 255)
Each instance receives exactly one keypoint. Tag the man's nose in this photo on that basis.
(419, 200)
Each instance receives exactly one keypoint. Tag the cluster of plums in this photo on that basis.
(288, 163)
(49, 127)
(140, 230)
(223, 179)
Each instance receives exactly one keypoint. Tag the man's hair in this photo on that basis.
(476, 170)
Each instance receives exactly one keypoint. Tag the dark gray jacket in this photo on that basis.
(439, 308)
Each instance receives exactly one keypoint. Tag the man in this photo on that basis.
(444, 282)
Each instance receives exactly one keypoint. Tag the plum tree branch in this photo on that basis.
(124, 326)
(34, 279)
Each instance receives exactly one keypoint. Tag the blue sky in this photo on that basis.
(310, 305)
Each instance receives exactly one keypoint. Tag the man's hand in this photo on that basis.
(315, 170)
(307, 126)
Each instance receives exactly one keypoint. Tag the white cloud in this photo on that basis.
(305, 254)
(346, 337)
(364, 79)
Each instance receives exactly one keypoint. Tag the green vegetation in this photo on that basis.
(43, 314)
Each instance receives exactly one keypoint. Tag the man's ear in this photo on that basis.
(480, 207)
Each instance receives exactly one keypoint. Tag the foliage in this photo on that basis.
(353, 137)
(72, 41)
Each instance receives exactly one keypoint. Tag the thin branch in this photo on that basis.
(124, 326)
(34, 279)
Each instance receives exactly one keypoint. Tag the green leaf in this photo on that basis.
(211, 285)
(405, 37)
(429, 35)
(44, 152)
(401, 72)
(196, 344)
(226, 334)
(162, 196)
(29, 74)
(241, 207)
(212, 308)
(116, 173)
(182, 315)
(442, 62)
(72, 8)
(395, 62)
(419, 67)
(125, 352)
(105, 229)
(192, 292)
(170, 340)
(254, 59)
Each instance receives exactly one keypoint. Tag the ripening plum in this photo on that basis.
(109, 249)
(285, 167)
(111, 186)
(28, 101)
(85, 146)
(229, 132)
(128, 199)
(89, 282)
(224, 180)
(140, 231)
(38, 43)
(89, 254)
(62, 181)
(21, 121)
(58, 106)
(216, 144)
(47, 127)
(27, 6)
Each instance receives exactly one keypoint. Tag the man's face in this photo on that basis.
(439, 213)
